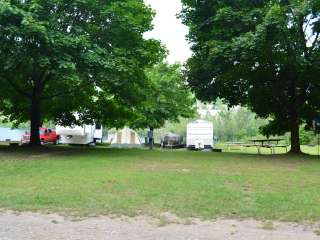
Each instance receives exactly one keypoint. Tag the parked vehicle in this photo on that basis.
(46, 136)
(11, 135)
(98, 133)
(80, 135)
(200, 135)
(171, 140)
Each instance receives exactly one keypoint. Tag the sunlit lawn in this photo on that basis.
(88, 181)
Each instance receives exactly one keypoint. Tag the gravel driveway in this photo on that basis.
(27, 226)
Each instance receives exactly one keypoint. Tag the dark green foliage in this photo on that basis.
(307, 137)
(263, 54)
(64, 56)
(169, 98)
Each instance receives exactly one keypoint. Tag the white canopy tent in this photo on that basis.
(127, 138)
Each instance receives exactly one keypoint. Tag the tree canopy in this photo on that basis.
(235, 124)
(60, 57)
(264, 54)
(168, 98)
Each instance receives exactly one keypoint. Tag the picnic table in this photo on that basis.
(268, 143)
(235, 144)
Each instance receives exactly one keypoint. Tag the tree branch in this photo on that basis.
(303, 37)
(18, 89)
(315, 42)
(66, 93)
(306, 27)
(45, 77)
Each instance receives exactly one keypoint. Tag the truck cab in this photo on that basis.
(47, 135)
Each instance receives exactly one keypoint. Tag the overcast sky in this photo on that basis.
(169, 29)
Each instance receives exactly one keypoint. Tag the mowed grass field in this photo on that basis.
(94, 181)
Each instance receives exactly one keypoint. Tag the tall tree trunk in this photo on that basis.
(35, 122)
(294, 116)
(295, 138)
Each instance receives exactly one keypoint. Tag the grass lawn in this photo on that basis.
(88, 181)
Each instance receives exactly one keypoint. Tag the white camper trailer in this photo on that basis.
(200, 135)
(98, 133)
(79, 135)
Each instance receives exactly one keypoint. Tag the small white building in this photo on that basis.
(126, 138)
(200, 135)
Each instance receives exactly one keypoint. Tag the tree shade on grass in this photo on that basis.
(138, 182)
(60, 57)
(262, 54)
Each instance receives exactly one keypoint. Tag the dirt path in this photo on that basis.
(27, 226)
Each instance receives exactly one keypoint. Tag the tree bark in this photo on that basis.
(35, 122)
(294, 116)
(295, 138)
(35, 113)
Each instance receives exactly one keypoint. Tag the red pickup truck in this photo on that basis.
(46, 136)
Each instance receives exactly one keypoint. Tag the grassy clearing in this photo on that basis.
(86, 181)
